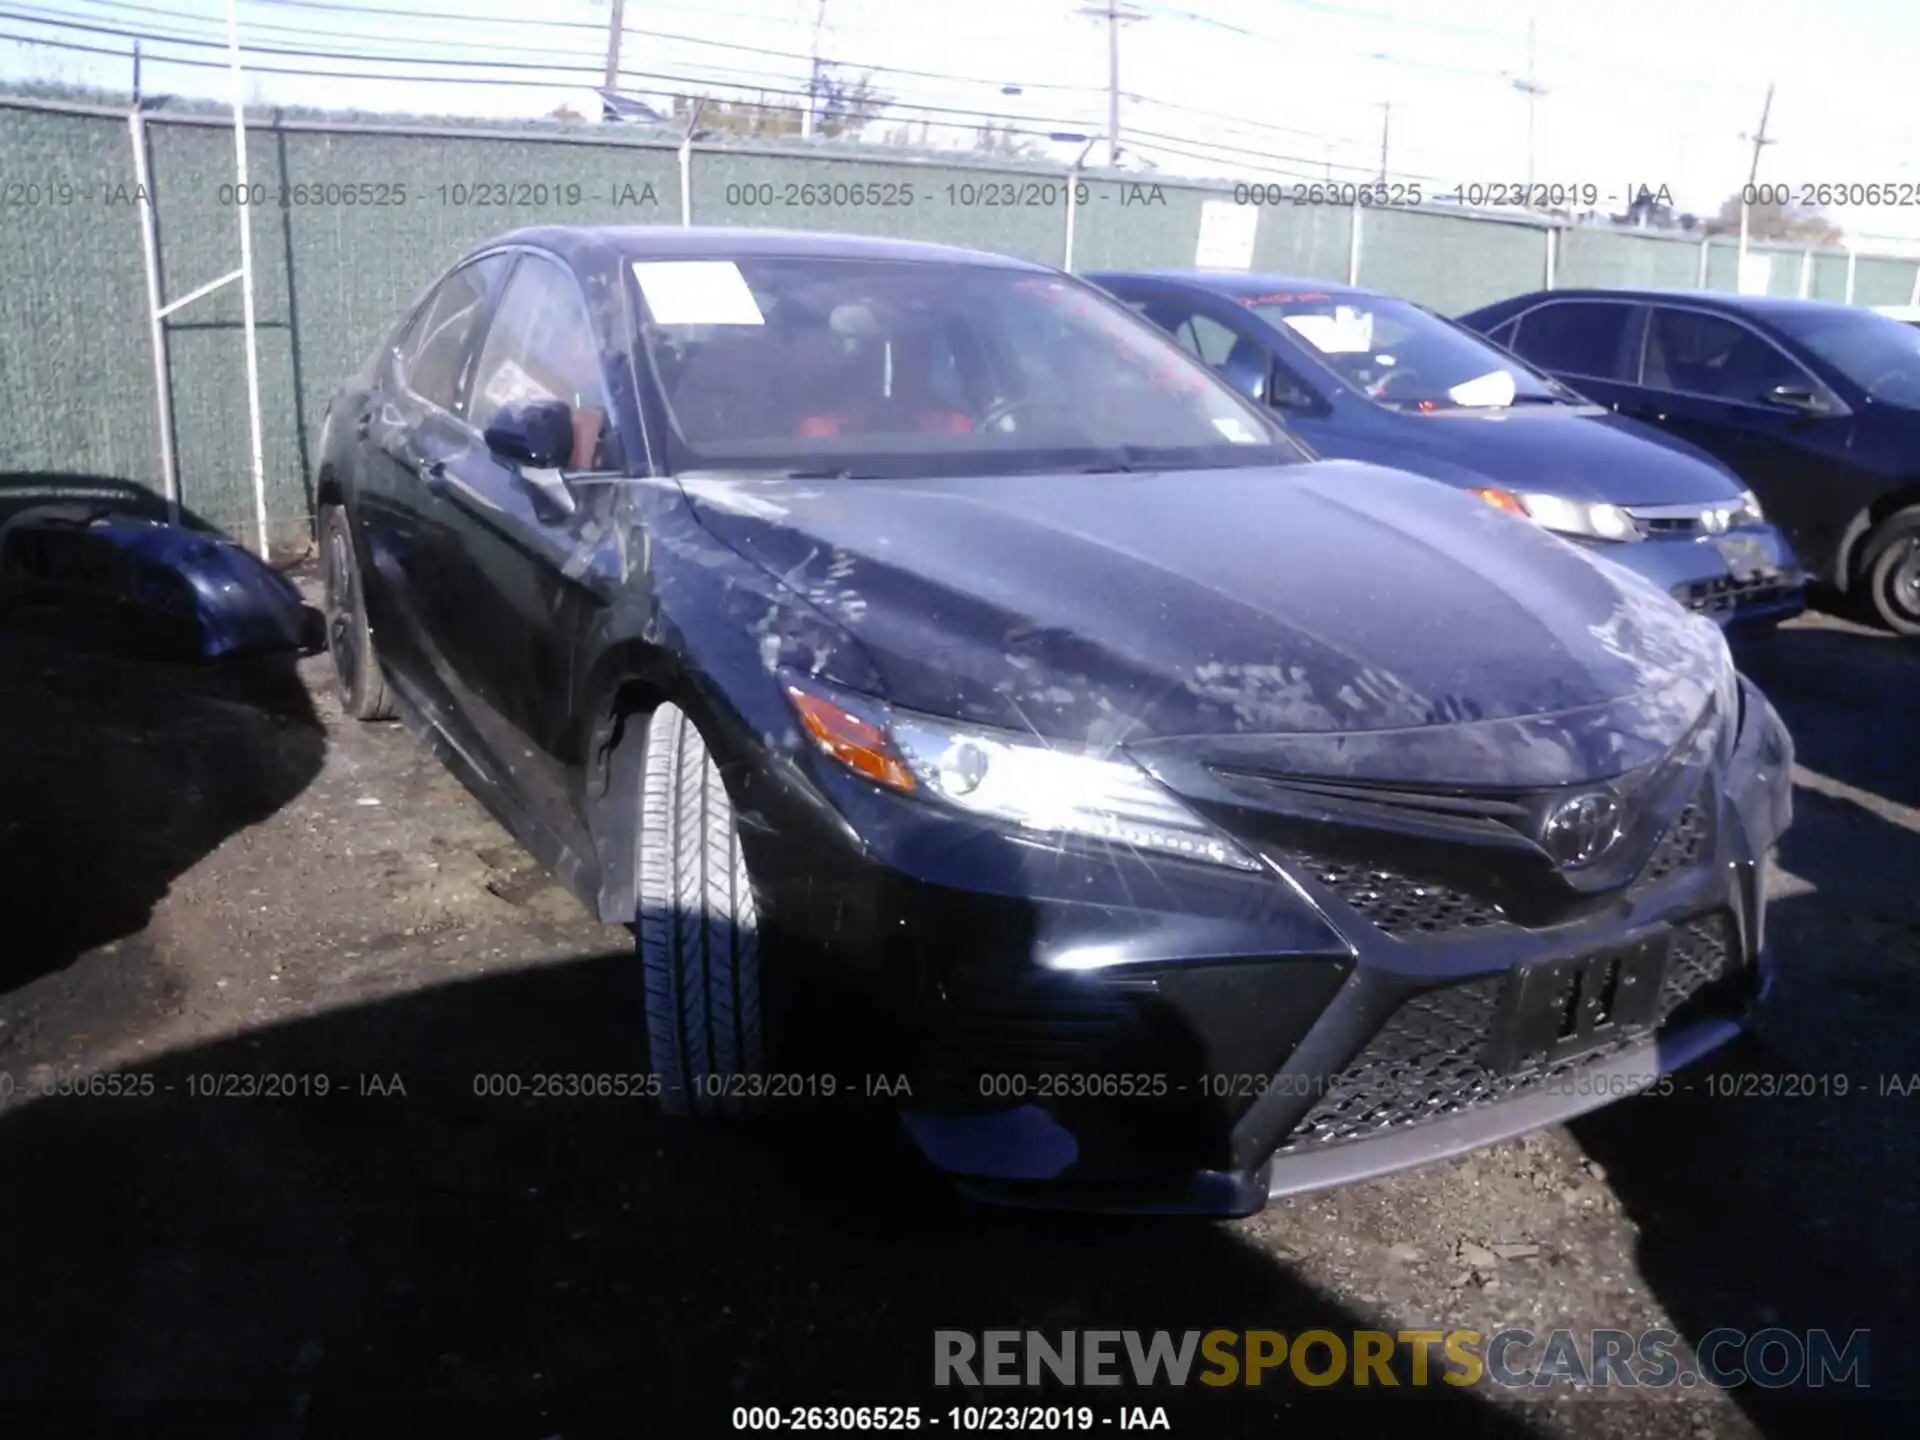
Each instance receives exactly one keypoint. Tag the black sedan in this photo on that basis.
(1816, 406)
(1198, 822)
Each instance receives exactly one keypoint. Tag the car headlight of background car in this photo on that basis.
(1589, 520)
(1015, 780)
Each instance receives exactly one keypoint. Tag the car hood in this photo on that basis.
(1580, 454)
(1332, 616)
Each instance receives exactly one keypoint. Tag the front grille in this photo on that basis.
(1425, 1063)
(1724, 593)
(1399, 904)
(1683, 846)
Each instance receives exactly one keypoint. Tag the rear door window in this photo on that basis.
(1572, 337)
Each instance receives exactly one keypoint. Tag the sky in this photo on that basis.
(1631, 92)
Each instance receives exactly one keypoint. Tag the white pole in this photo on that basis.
(1851, 257)
(686, 164)
(1073, 177)
(1740, 280)
(1073, 206)
(156, 328)
(1806, 273)
(1553, 253)
(1706, 251)
(1354, 212)
(246, 268)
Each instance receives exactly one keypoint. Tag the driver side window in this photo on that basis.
(541, 347)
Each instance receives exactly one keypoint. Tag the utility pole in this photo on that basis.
(813, 73)
(1115, 14)
(615, 24)
(1533, 90)
(1759, 137)
(1386, 120)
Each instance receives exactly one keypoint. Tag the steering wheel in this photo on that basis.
(1400, 380)
(1016, 405)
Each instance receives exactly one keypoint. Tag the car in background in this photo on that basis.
(1816, 406)
(1363, 376)
(894, 631)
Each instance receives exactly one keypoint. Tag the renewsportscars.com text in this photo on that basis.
(1513, 1358)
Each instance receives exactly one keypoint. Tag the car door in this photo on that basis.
(1707, 378)
(402, 432)
(1592, 345)
(516, 542)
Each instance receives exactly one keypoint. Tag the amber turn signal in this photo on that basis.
(861, 747)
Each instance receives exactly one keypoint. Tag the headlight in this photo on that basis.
(1749, 511)
(1591, 521)
(1012, 779)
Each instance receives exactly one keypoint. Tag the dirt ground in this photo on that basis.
(212, 874)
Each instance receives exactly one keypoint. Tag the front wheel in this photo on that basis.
(698, 929)
(1891, 570)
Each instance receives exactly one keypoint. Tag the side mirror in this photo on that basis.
(538, 437)
(537, 434)
(1248, 375)
(1794, 396)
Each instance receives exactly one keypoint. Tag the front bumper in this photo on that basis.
(1106, 1033)
(1745, 578)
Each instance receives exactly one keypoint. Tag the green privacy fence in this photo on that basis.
(351, 219)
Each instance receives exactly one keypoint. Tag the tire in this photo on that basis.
(357, 676)
(698, 929)
(1890, 570)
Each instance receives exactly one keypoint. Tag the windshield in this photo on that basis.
(829, 367)
(1880, 355)
(1401, 355)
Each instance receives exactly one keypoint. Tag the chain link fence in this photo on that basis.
(352, 219)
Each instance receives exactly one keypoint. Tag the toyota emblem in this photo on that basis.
(1578, 831)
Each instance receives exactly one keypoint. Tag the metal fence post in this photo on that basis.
(156, 325)
(686, 166)
(1073, 199)
(1851, 258)
(1806, 273)
(246, 269)
(1706, 252)
(1353, 244)
(1553, 253)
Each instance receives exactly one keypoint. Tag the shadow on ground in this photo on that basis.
(1780, 1186)
(573, 1266)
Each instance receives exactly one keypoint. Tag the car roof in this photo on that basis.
(1758, 307)
(1238, 286)
(577, 243)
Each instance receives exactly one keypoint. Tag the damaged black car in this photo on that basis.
(1196, 821)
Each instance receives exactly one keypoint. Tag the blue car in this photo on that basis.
(1363, 376)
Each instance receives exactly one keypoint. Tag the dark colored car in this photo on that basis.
(877, 620)
(1363, 376)
(1816, 406)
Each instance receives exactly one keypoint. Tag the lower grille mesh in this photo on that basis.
(1681, 848)
(1425, 1062)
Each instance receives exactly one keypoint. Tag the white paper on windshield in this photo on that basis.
(1345, 332)
(1496, 387)
(697, 292)
(1236, 430)
(1226, 236)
